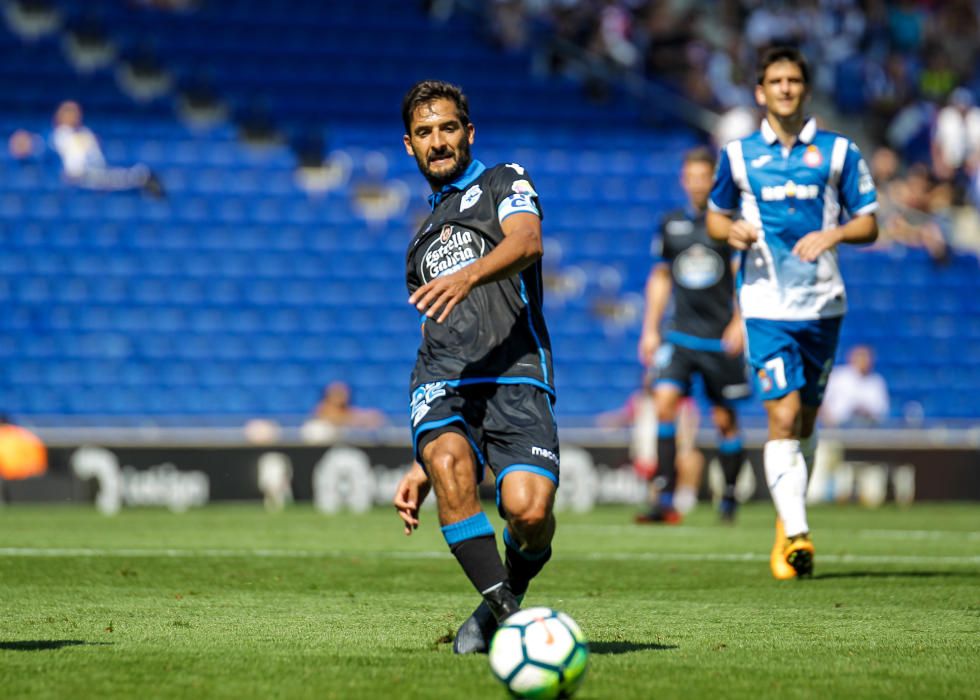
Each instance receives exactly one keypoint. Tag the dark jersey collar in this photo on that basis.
(472, 172)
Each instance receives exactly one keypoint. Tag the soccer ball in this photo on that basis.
(539, 653)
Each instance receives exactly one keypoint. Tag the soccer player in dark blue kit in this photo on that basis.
(705, 336)
(482, 388)
(800, 192)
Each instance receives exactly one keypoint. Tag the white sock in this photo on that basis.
(786, 475)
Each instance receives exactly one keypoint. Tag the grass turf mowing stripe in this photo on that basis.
(593, 556)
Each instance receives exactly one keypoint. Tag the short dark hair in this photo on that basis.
(700, 154)
(775, 54)
(426, 91)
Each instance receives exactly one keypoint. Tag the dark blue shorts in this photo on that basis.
(788, 356)
(511, 427)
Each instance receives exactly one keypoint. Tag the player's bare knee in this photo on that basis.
(724, 418)
(784, 421)
(445, 466)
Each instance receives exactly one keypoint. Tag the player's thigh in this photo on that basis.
(726, 378)
(521, 438)
(775, 358)
(818, 346)
(439, 410)
(673, 365)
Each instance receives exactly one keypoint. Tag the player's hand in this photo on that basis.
(649, 342)
(742, 235)
(409, 496)
(814, 244)
(733, 338)
(442, 293)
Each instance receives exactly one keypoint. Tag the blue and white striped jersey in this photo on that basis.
(786, 194)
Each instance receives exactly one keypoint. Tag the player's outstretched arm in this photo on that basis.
(860, 229)
(521, 247)
(409, 496)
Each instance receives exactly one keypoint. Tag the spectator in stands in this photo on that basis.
(856, 394)
(956, 141)
(920, 217)
(377, 198)
(82, 161)
(335, 411)
(905, 206)
(318, 172)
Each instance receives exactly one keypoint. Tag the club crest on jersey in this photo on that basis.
(679, 227)
(471, 197)
(812, 156)
(698, 267)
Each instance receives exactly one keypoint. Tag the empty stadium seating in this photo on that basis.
(241, 296)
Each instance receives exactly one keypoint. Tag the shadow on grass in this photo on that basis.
(898, 574)
(46, 644)
(626, 647)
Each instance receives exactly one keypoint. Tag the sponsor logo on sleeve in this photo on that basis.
(865, 182)
(523, 187)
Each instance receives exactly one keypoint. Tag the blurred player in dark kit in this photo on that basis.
(705, 336)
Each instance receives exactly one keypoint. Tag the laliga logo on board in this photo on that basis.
(813, 157)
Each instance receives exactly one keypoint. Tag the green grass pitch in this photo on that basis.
(231, 602)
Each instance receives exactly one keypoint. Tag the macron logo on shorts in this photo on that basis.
(542, 452)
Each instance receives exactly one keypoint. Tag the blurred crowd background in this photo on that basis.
(204, 206)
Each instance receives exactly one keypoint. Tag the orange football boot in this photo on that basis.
(790, 557)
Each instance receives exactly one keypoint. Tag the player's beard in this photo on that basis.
(440, 180)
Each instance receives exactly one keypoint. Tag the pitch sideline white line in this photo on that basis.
(695, 531)
(592, 556)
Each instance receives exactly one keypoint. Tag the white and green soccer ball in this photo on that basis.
(539, 653)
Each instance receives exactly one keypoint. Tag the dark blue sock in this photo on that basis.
(474, 544)
(522, 566)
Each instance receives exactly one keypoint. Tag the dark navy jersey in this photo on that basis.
(701, 273)
(497, 334)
